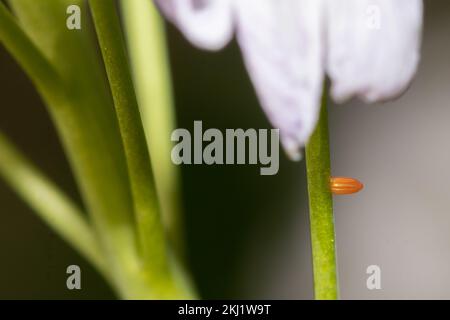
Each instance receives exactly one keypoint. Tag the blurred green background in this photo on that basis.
(248, 234)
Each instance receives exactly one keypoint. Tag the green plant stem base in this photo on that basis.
(100, 128)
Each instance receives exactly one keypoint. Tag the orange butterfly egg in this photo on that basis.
(344, 185)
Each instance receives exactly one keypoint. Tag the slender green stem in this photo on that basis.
(31, 59)
(321, 210)
(145, 35)
(149, 224)
(146, 39)
(52, 205)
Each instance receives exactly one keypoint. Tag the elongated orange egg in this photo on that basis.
(344, 185)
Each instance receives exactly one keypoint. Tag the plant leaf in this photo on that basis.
(54, 207)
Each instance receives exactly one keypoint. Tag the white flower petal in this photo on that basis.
(208, 24)
(281, 42)
(373, 47)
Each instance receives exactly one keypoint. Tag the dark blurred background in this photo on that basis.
(248, 234)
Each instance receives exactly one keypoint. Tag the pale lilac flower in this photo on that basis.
(368, 48)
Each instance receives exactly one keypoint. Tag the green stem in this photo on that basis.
(149, 224)
(145, 35)
(38, 68)
(52, 206)
(321, 210)
(82, 111)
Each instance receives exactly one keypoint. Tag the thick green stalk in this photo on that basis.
(52, 206)
(64, 67)
(82, 111)
(149, 224)
(321, 210)
(145, 35)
